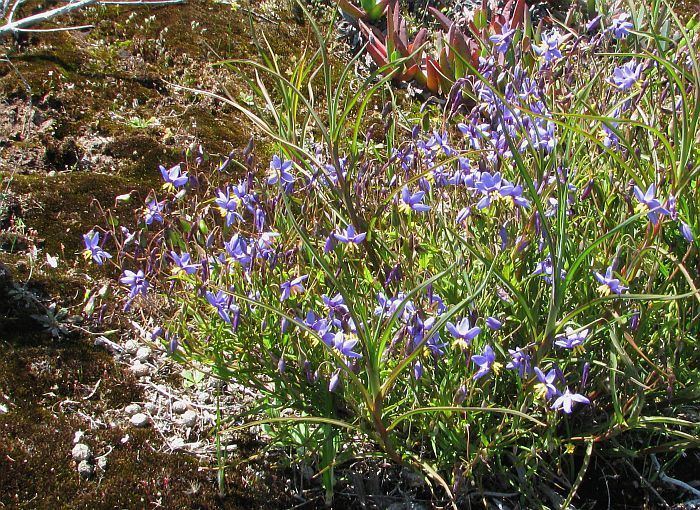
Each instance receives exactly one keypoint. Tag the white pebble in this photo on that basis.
(143, 353)
(81, 452)
(151, 407)
(3, 409)
(78, 436)
(85, 469)
(189, 418)
(204, 397)
(132, 409)
(140, 370)
(139, 420)
(102, 463)
(131, 346)
(179, 407)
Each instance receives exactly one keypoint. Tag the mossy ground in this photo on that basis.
(86, 116)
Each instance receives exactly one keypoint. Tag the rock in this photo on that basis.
(189, 418)
(179, 407)
(81, 452)
(78, 436)
(102, 463)
(132, 409)
(204, 397)
(140, 370)
(85, 469)
(139, 420)
(131, 347)
(151, 407)
(143, 353)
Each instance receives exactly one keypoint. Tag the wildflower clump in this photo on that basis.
(490, 283)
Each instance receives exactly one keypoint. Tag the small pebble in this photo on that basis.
(102, 463)
(78, 436)
(151, 407)
(204, 397)
(189, 418)
(131, 346)
(81, 452)
(3, 408)
(132, 409)
(143, 353)
(179, 407)
(85, 469)
(140, 370)
(139, 420)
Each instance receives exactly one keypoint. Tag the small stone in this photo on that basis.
(3, 409)
(140, 370)
(204, 397)
(189, 418)
(78, 436)
(131, 346)
(81, 452)
(102, 463)
(132, 409)
(143, 353)
(179, 407)
(151, 407)
(139, 420)
(85, 469)
(176, 443)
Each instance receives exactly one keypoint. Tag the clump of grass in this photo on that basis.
(511, 291)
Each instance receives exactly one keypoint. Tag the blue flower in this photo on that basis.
(280, 171)
(571, 339)
(648, 201)
(566, 401)
(608, 283)
(344, 343)
(350, 236)
(228, 205)
(93, 250)
(545, 388)
(153, 211)
(224, 306)
(621, 26)
(463, 332)
(486, 361)
(174, 178)
(549, 49)
(183, 262)
(520, 361)
(293, 287)
(412, 202)
(493, 323)
(502, 41)
(136, 281)
(625, 76)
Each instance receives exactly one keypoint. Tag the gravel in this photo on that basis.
(139, 420)
(81, 452)
(132, 409)
(179, 407)
(85, 469)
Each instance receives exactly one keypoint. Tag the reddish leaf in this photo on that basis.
(444, 20)
(351, 9)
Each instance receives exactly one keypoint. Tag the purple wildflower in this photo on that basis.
(520, 361)
(93, 250)
(625, 76)
(621, 26)
(502, 41)
(412, 202)
(350, 236)
(463, 332)
(648, 201)
(224, 306)
(565, 402)
(280, 171)
(136, 281)
(608, 284)
(228, 205)
(493, 323)
(184, 263)
(549, 49)
(486, 361)
(153, 211)
(344, 343)
(174, 178)
(571, 339)
(545, 388)
(292, 287)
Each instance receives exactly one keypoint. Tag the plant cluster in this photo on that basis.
(511, 291)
